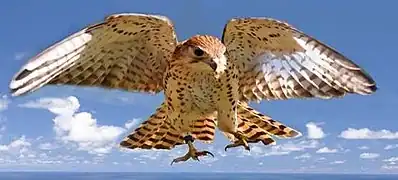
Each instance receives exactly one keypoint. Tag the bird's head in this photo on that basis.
(202, 52)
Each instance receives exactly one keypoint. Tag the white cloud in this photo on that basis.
(387, 167)
(392, 163)
(391, 159)
(58, 106)
(2, 127)
(325, 150)
(47, 146)
(257, 150)
(72, 126)
(19, 55)
(303, 156)
(314, 131)
(337, 162)
(4, 103)
(369, 155)
(276, 153)
(18, 146)
(131, 123)
(290, 146)
(363, 147)
(366, 133)
(391, 146)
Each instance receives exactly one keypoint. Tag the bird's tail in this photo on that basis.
(157, 132)
(273, 127)
(258, 127)
(252, 132)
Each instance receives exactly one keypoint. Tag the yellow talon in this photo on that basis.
(192, 153)
(241, 141)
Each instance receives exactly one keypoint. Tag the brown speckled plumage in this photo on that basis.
(207, 82)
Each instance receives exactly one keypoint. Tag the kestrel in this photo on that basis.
(207, 82)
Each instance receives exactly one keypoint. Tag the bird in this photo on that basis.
(208, 82)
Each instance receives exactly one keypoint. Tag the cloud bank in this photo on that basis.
(72, 126)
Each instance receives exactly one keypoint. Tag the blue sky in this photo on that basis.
(66, 128)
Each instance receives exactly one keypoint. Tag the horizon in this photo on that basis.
(199, 172)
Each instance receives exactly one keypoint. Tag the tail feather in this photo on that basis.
(165, 138)
(145, 131)
(273, 127)
(158, 133)
(255, 133)
(252, 131)
(204, 129)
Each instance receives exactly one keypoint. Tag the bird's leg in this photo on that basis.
(241, 140)
(192, 152)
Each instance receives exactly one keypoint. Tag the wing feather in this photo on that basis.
(277, 61)
(125, 51)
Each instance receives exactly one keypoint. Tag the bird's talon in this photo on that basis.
(241, 141)
(209, 153)
(204, 153)
(179, 159)
(192, 153)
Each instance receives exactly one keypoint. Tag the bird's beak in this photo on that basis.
(218, 64)
(212, 64)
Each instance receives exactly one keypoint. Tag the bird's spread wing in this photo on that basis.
(277, 61)
(125, 51)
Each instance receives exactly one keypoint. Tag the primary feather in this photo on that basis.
(277, 61)
(125, 51)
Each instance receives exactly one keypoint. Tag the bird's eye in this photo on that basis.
(198, 52)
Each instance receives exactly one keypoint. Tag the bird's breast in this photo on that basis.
(205, 90)
(201, 89)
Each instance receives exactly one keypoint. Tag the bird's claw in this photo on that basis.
(241, 141)
(204, 153)
(192, 154)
